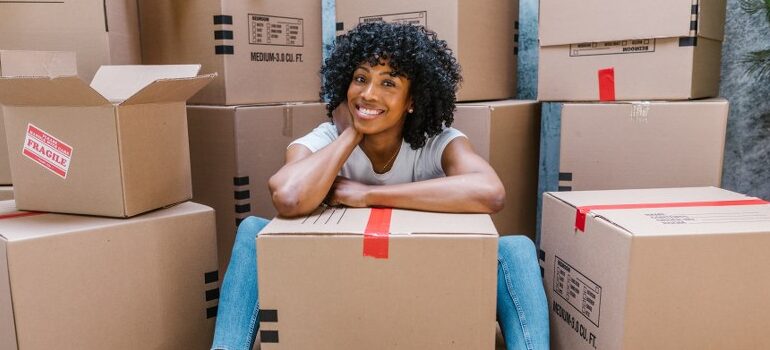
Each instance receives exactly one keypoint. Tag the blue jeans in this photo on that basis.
(522, 309)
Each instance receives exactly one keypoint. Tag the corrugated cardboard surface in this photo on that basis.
(6, 193)
(507, 135)
(235, 150)
(134, 157)
(482, 35)
(80, 282)
(226, 36)
(100, 32)
(662, 69)
(566, 22)
(436, 289)
(662, 278)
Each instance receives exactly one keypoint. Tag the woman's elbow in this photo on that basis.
(495, 199)
(285, 201)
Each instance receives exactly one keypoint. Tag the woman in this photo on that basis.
(391, 93)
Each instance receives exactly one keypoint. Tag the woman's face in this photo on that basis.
(378, 100)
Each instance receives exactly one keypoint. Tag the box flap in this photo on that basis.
(568, 22)
(169, 90)
(118, 83)
(354, 221)
(7, 319)
(45, 91)
(667, 211)
(37, 63)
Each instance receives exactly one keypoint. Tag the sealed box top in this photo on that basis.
(357, 221)
(568, 22)
(123, 85)
(670, 211)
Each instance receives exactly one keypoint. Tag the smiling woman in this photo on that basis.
(391, 95)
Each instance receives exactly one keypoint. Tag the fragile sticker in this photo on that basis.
(48, 151)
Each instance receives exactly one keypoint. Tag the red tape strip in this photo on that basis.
(20, 214)
(580, 216)
(377, 233)
(607, 84)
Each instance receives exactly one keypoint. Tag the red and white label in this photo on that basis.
(48, 151)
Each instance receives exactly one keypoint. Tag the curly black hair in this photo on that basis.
(412, 51)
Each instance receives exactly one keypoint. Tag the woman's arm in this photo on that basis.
(303, 182)
(471, 186)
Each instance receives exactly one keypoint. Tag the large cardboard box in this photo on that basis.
(629, 50)
(79, 282)
(234, 151)
(116, 148)
(482, 34)
(29, 63)
(605, 146)
(100, 32)
(378, 279)
(679, 268)
(265, 51)
(507, 134)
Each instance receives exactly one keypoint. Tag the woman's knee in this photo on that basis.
(248, 230)
(519, 248)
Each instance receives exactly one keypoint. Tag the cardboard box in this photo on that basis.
(78, 282)
(683, 268)
(507, 134)
(29, 63)
(134, 156)
(100, 32)
(621, 145)
(482, 34)
(265, 51)
(629, 50)
(378, 279)
(6, 193)
(234, 151)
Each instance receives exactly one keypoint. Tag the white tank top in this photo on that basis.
(409, 166)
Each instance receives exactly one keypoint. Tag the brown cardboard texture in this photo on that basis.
(234, 151)
(79, 282)
(675, 56)
(507, 135)
(483, 35)
(266, 51)
(118, 148)
(100, 32)
(622, 145)
(320, 290)
(6, 193)
(688, 276)
(29, 63)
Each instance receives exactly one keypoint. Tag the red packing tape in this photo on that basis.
(580, 216)
(20, 214)
(377, 233)
(607, 84)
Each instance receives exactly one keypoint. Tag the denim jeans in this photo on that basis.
(522, 309)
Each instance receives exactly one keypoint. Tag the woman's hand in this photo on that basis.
(342, 117)
(348, 192)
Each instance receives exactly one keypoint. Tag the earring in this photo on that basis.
(411, 110)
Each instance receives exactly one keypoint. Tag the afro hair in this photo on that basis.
(413, 52)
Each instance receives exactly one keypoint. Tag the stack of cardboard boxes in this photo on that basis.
(659, 268)
(136, 267)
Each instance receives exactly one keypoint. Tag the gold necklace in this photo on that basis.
(382, 171)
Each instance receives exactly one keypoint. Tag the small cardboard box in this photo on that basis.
(620, 145)
(79, 282)
(117, 148)
(677, 268)
(629, 50)
(234, 151)
(482, 34)
(266, 51)
(100, 32)
(507, 135)
(29, 63)
(377, 279)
